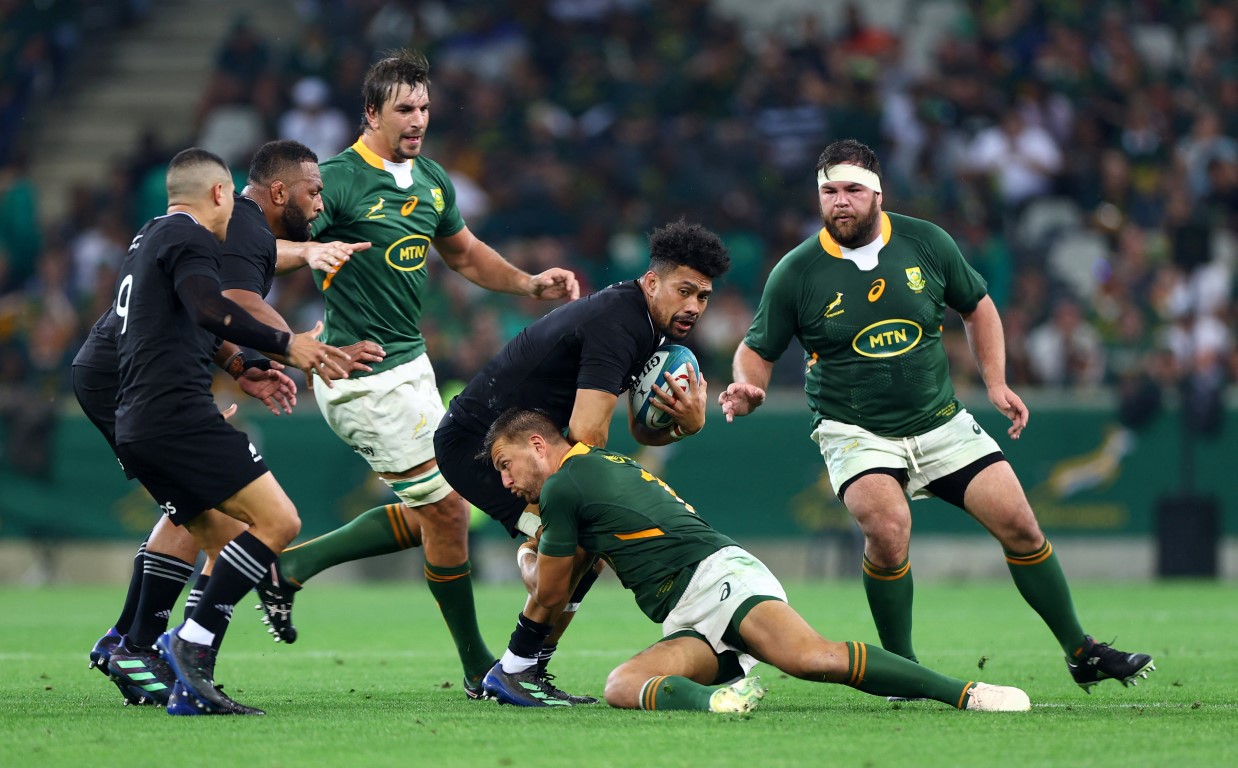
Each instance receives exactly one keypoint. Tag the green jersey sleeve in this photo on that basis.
(560, 503)
(964, 286)
(451, 221)
(776, 320)
(335, 188)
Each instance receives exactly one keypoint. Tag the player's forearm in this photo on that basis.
(988, 344)
(747, 367)
(254, 305)
(482, 265)
(290, 256)
(226, 319)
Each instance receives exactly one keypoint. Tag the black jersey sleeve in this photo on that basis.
(224, 317)
(247, 261)
(608, 353)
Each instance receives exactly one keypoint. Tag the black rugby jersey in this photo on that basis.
(247, 263)
(598, 342)
(247, 260)
(164, 357)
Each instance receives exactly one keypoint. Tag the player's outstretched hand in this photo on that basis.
(1012, 407)
(740, 400)
(312, 356)
(329, 257)
(273, 387)
(555, 283)
(685, 403)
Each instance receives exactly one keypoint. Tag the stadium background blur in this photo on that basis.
(1083, 154)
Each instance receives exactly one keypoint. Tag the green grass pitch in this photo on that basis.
(373, 681)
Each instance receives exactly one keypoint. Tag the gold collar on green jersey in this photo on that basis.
(835, 250)
(368, 155)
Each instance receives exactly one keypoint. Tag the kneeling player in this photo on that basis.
(721, 609)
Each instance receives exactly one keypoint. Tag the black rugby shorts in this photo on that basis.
(455, 449)
(96, 392)
(191, 473)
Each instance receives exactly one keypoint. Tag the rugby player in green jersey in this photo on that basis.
(383, 191)
(866, 298)
(720, 608)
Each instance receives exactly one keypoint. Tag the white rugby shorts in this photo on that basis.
(389, 417)
(721, 584)
(849, 450)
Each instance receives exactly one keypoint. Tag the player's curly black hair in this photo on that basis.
(402, 67)
(276, 158)
(852, 152)
(691, 245)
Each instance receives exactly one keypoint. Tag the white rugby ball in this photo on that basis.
(669, 357)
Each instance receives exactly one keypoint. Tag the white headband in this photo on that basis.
(848, 172)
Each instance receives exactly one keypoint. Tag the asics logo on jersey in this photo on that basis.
(408, 254)
(373, 213)
(914, 281)
(133, 246)
(725, 591)
(888, 338)
(878, 288)
(833, 309)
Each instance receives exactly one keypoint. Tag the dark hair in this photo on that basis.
(402, 67)
(852, 152)
(518, 423)
(691, 245)
(276, 158)
(195, 156)
(191, 172)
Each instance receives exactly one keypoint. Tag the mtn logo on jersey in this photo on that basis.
(914, 280)
(408, 254)
(888, 338)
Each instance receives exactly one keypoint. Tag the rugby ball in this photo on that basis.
(669, 357)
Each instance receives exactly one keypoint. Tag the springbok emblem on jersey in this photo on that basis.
(373, 213)
(834, 309)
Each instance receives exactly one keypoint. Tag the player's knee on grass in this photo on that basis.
(623, 686)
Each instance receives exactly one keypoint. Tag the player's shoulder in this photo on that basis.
(921, 230)
(431, 168)
(808, 255)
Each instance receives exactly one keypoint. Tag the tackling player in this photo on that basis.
(720, 608)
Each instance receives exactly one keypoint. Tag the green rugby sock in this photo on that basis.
(1040, 580)
(674, 692)
(890, 592)
(378, 531)
(452, 587)
(882, 673)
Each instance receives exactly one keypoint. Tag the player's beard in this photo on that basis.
(858, 231)
(296, 224)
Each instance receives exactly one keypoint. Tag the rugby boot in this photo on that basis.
(194, 666)
(522, 689)
(275, 594)
(996, 698)
(103, 649)
(740, 698)
(140, 674)
(1101, 661)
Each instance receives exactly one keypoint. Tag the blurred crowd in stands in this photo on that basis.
(1084, 155)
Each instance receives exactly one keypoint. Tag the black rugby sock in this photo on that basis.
(163, 578)
(240, 564)
(130, 608)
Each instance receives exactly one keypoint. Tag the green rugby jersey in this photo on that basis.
(376, 295)
(612, 506)
(872, 340)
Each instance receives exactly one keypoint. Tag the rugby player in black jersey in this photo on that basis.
(573, 364)
(168, 433)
